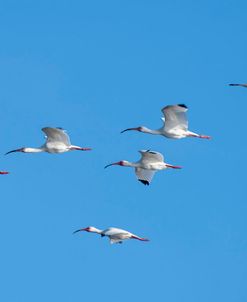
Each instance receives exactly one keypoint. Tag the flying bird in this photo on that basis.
(4, 172)
(57, 141)
(115, 235)
(175, 124)
(242, 85)
(146, 167)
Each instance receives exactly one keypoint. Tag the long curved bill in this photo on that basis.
(113, 164)
(80, 230)
(128, 129)
(174, 167)
(16, 150)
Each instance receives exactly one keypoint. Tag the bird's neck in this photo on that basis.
(33, 150)
(97, 231)
(130, 164)
(151, 131)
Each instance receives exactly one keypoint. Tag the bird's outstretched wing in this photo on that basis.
(56, 135)
(116, 235)
(144, 176)
(175, 117)
(151, 156)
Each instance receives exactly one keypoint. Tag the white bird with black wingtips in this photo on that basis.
(57, 141)
(175, 124)
(145, 168)
(115, 235)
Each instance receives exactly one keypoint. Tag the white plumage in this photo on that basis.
(115, 235)
(175, 119)
(57, 141)
(175, 124)
(145, 168)
(56, 135)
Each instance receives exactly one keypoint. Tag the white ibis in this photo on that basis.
(242, 85)
(4, 172)
(175, 124)
(57, 141)
(146, 167)
(115, 235)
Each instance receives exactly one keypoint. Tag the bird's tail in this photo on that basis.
(192, 134)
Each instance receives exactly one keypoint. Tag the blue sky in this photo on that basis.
(96, 68)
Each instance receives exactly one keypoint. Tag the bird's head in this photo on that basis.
(140, 129)
(119, 163)
(87, 229)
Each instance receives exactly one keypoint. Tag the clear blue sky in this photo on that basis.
(96, 68)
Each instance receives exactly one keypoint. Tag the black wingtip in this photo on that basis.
(145, 182)
(183, 105)
(152, 152)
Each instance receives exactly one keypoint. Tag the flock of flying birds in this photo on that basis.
(175, 125)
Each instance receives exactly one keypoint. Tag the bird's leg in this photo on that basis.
(192, 134)
(79, 148)
(205, 136)
(172, 166)
(139, 238)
